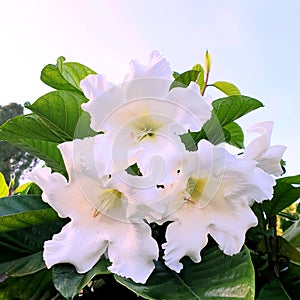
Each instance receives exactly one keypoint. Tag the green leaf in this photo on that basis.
(52, 77)
(27, 127)
(37, 286)
(57, 118)
(274, 291)
(31, 135)
(23, 189)
(226, 87)
(69, 283)
(22, 266)
(4, 190)
(73, 72)
(292, 234)
(217, 276)
(225, 111)
(236, 135)
(184, 79)
(61, 114)
(26, 241)
(287, 249)
(23, 211)
(65, 75)
(291, 281)
(200, 78)
(286, 192)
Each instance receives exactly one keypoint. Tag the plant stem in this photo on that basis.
(206, 83)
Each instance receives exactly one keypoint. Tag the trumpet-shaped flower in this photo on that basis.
(268, 157)
(105, 211)
(214, 199)
(143, 114)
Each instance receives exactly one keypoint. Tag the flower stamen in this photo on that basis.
(96, 213)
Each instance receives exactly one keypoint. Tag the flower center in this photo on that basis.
(145, 127)
(195, 189)
(108, 201)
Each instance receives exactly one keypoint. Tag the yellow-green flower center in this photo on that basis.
(145, 127)
(108, 200)
(195, 189)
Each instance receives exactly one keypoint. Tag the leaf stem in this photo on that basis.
(273, 254)
(206, 83)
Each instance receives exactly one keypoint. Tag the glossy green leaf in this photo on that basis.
(184, 79)
(292, 234)
(4, 190)
(23, 188)
(65, 75)
(200, 78)
(291, 281)
(22, 211)
(273, 291)
(226, 87)
(52, 77)
(31, 135)
(217, 276)
(285, 248)
(61, 114)
(225, 111)
(69, 283)
(236, 135)
(22, 266)
(37, 286)
(26, 241)
(57, 118)
(286, 192)
(73, 72)
(27, 127)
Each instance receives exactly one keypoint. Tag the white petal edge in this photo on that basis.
(79, 243)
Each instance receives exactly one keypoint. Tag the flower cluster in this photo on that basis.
(137, 171)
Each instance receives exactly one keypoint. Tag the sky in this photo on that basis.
(253, 44)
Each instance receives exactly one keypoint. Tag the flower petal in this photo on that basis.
(229, 221)
(259, 186)
(79, 243)
(194, 110)
(104, 99)
(268, 158)
(65, 199)
(271, 160)
(157, 67)
(94, 85)
(132, 251)
(186, 236)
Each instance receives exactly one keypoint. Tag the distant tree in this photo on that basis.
(13, 161)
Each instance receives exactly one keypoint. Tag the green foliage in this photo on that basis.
(22, 211)
(69, 283)
(226, 87)
(274, 291)
(221, 127)
(286, 192)
(65, 75)
(216, 277)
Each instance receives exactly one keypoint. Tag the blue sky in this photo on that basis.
(253, 44)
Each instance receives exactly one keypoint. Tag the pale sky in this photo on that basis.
(253, 44)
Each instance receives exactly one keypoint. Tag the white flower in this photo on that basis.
(142, 114)
(105, 212)
(268, 157)
(213, 199)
